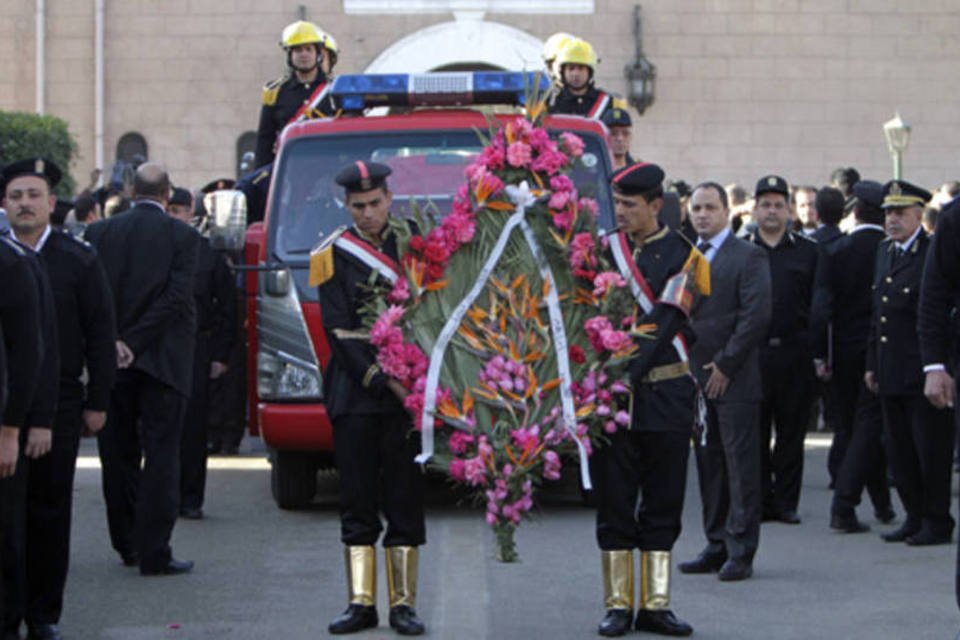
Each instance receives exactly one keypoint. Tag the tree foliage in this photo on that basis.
(23, 135)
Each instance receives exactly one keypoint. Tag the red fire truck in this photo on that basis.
(429, 129)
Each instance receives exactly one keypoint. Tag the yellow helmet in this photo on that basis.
(577, 51)
(553, 45)
(330, 44)
(299, 33)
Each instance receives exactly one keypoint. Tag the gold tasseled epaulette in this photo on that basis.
(270, 92)
(617, 102)
(321, 259)
(697, 264)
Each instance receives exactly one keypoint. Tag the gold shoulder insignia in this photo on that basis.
(618, 102)
(698, 264)
(321, 259)
(270, 92)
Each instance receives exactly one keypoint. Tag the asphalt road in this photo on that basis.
(264, 573)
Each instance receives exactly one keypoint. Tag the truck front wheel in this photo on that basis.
(293, 479)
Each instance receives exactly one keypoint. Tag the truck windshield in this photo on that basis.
(428, 168)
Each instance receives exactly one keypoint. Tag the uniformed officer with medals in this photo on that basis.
(373, 439)
(919, 435)
(576, 66)
(666, 273)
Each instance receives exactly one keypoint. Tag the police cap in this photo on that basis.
(772, 184)
(637, 179)
(900, 193)
(617, 118)
(181, 196)
(218, 185)
(40, 167)
(363, 176)
(869, 192)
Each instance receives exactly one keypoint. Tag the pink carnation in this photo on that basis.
(540, 140)
(400, 293)
(551, 465)
(560, 199)
(459, 442)
(589, 204)
(616, 341)
(572, 144)
(519, 155)
(492, 156)
(595, 327)
(475, 471)
(607, 281)
(459, 227)
(457, 470)
(561, 183)
(549, 162)
(414, 404)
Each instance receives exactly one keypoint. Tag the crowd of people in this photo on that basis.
(815, 299)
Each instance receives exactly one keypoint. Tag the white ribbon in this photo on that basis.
(522, 198)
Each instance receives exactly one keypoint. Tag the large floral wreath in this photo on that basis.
(527, 327)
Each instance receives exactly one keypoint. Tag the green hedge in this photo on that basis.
(23, 135)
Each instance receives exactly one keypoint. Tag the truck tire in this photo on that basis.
(293, 479)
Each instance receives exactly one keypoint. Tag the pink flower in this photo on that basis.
(475, 471)
(619, 387)
(491, 518)
(606, 282)
(459, 227)
(572, 144)
(457, 470)
(563, 220)
(492, 156)
(616, 341)
(400, 293)
(540, 140)
(484, 449)
(595, 327)
(561, 183)
(551, 465)
(549, 162)
(622, 418)
(560, 199)
(414, 404)
(589, 204)
(519, 155)
(459, 442)
(610, 426)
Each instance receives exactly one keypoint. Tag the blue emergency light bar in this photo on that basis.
(355, 92)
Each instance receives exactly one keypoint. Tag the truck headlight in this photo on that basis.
(281, 378)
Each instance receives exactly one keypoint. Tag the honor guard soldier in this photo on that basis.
(621, 134)
(311, 55)
(920, 436)
(215, 297)
(84, 314)
(786, 357)
(551, 49)
(577, 95)
(372, 434)
(666, 273)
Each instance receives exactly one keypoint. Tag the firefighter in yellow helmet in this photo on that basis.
(296, 94)
(576, 65)
(551, 49)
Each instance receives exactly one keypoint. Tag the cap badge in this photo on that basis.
(366, 184)
(895, 189)
(772, 181)
(38, 166)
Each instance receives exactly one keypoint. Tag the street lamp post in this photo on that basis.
(897, 133)
(641, 73)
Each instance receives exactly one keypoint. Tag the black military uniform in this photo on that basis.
(786, 363)
(845, 296)
(939, 299)
(373, 438)
(215, 298)
(617, 117)
(919, 436)
(650, 459)
(283, 98)
(592, 104)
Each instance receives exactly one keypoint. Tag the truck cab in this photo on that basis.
(434, 128)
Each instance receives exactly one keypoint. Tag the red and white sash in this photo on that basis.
(310, 104)
(363, 251)
(596, 111)
(622, 255)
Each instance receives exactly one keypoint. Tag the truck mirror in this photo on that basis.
(227, 218)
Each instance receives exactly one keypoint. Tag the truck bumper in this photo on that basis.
(295, 427)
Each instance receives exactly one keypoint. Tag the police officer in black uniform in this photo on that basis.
(650, 459)
(84, 308)
(215, 297)
(578, 95)
(621, 132)
(311, 54)
(845, 293)
(919, 435)
(372, 435)
(26, 188)
(786, 359)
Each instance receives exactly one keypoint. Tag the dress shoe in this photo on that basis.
(191, 513)
(130, 559)
(927, 538)
(662, 622)
(901, 534)
(885, 515)
(172, 568)
(357, 617)
(848, 524)
(616, 623)
(703, 563)
(789, 516)
(404, 620)
(733, 570)
(43, 632)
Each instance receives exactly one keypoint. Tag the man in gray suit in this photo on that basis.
(729, 326)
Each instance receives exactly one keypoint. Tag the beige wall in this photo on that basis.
(744, 87)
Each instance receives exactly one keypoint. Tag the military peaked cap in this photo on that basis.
(40, 167)
(869, 192)
(363, 176)
(772, 184)
(617, 118)
(900, 193)
(637, 178)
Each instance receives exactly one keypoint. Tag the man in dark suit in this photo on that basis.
(920, 436)
(843, 298)
(730, 325)
(150, 260)
(829, 203)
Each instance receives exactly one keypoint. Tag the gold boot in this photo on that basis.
(402, 589)
(617, 592)
(654, 614)
(361, 613)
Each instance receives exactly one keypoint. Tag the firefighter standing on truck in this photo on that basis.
(576, 65)
(373, 439)
(311, 55)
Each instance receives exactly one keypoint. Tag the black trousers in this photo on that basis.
(144, 424)
(864, 463)
(193, 441)
(13, 525)
(651, 465)
(844, 391)
(920, 447)
(49, 512)
(374, 456)
(787, 399)
(728, 467)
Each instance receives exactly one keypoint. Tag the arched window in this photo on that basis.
(132, 148)
(246, 148)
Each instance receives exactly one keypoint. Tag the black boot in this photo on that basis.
(357, 617)
(615, 623)
(662, 622)
(404, 620)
